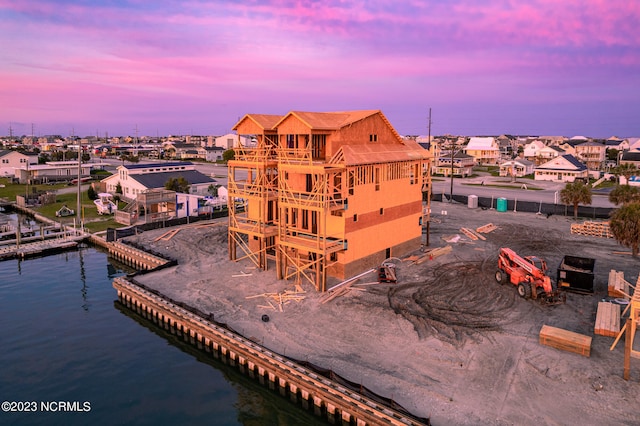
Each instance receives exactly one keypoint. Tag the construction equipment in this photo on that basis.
(528, 274)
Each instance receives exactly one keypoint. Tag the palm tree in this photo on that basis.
(625, 226)
(627, 170)
(623, 194)
(575, 193)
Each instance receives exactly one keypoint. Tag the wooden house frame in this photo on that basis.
(326, 194)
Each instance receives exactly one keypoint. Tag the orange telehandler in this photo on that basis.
(528, 274)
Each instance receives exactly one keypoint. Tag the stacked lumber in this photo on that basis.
(472, 234)
(565, 340)
(617, 286)
(485, 229)
(592, 229)
(607, 319)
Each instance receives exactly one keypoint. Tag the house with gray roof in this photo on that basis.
(564, 168)
(135, 179)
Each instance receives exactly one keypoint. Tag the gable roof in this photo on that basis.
(330, 120)
(571, 161)
(157, 180)
(264, 121)
(481, 143)
(521, 161)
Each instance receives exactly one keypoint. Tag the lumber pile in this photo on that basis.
(276, 301)
(565, 340)
(592, 229)
(607, 319)
(485, 229)
(617, 286)
(472, 234)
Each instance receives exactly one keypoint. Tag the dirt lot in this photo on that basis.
(446, 342)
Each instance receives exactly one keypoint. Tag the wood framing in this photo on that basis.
(327, 193)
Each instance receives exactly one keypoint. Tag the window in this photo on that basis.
(333, 257)
(355, 217)
(381, 211)
(373, 138)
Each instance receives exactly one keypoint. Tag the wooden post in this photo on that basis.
(627, 350)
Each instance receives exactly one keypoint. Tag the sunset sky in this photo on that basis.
(485, 67)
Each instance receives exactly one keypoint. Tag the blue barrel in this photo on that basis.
(501, 204)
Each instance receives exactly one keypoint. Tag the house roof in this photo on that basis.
(481, 143)
(521, 161)
(147, 165)
(574, 164)
(631, 156)
(382, 153)
(330, 120)
(591, 143)
(157, 180)
(265, 121)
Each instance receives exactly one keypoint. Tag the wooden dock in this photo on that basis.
(39, 248)
(301, 383)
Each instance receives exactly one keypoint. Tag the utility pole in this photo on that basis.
(428, 206)
(79, 213)
(452, 152)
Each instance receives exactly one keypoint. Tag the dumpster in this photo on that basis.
(576, 274)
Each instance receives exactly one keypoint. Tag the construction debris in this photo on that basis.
(280, 298)
(617, 286)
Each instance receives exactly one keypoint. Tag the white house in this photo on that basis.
(517, 168)
(231, 140)
(11, 161)
(53, 171)
(532, 150)
(483, 150)
(565, 168)
(137, 178)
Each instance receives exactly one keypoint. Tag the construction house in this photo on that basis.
(325, 194)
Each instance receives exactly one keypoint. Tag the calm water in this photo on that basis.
(64, 337)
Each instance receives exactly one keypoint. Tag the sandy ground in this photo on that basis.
(446, 342)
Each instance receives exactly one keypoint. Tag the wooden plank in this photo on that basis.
(468, 233)
(565, 340)
(489, 227)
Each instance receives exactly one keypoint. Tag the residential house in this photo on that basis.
(183, 151)
(532, 150)
(54, 171)
(484, 150)
(634, 144)
(462, 165)
(592, 154)
(548, 153)
(11, 161)
(326, 194)
(518, 167)
(617, 144)
(565, 168)
(232, 140)
(135, 179)
(214, 154)
(631, 157)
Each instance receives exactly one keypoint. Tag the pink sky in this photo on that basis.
(194, 67)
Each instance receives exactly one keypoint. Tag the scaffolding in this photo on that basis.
(252, 200)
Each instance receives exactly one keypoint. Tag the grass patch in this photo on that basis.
(532, 188)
